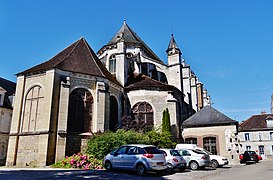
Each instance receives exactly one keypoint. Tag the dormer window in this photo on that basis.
(112, 64)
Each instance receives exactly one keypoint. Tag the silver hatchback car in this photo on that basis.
(174, 160)
(136, 157)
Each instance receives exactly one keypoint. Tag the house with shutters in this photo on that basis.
(79, 92)
(256, 134)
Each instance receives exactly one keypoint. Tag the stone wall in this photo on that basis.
(225, 137)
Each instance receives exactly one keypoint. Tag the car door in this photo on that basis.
(131, 156)
(118, 159)
(186, 155)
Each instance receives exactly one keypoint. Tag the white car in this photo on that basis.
(216, 161)
(195, 159)
(174, 160)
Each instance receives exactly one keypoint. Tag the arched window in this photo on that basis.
(143, 113)
(113, 114)
(112, 64)
(32, 110)
(191, 140)
(209, 143)
(80, 111)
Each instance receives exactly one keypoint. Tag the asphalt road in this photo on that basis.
(262, 170)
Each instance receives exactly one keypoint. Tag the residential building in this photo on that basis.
(256, 133)
(7, 91)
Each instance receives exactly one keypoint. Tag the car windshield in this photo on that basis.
(152, 150)
(174, 153)
(252, 152)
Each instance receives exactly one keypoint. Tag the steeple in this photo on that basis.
(173, 48)
(173, 52)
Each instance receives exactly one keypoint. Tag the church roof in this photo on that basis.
(255, 122)
(140, 81)
(9, 87)
(78, 58)
(208, 116)
(127, 35)
(172, 45)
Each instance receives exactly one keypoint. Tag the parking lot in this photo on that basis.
(262, 170)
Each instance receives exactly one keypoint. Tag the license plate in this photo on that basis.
(159, 163)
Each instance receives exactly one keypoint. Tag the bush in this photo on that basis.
(161, 140)
(101, 144)
(81, 161)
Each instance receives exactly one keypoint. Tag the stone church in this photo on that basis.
(79, 91)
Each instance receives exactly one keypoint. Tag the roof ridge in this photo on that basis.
(68, 53)
(88, 47)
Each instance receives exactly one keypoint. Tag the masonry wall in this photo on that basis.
(225, 137)
(5, 122)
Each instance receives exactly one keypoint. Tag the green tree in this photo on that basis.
(166, 123)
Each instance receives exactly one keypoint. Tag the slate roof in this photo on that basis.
(172, 44)
(10, 87)
(78, 58)
(140, 81)
(127, 35)
(208, 116)
(255, 122)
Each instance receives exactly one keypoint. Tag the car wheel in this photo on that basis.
(214, 164)
(194, 165)
(140, 169)
(170, 167)
(108, 166)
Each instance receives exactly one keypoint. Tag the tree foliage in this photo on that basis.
(166, 123)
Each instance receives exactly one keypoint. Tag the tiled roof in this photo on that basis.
(78, 58)
(127, 35)
(208, 116)
(10, 87)
(255, 122)
(140, 81)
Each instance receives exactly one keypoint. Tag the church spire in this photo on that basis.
(173, 48)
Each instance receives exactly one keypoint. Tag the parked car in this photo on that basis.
(249, 157)
(174, 160)
(215, 160)
(195, 159)
(136, 157)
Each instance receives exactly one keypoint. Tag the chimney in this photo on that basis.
(272, 104)
(263, 112)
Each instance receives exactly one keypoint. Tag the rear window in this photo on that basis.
(174, 153)
(152, 150)
(198, 151)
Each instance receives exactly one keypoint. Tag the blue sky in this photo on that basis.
(229, 44)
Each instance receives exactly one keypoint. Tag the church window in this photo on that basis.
(209, 144)
(143, 113)
(129, 55)
(191, 140)
(112, 64)
(32, 109)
